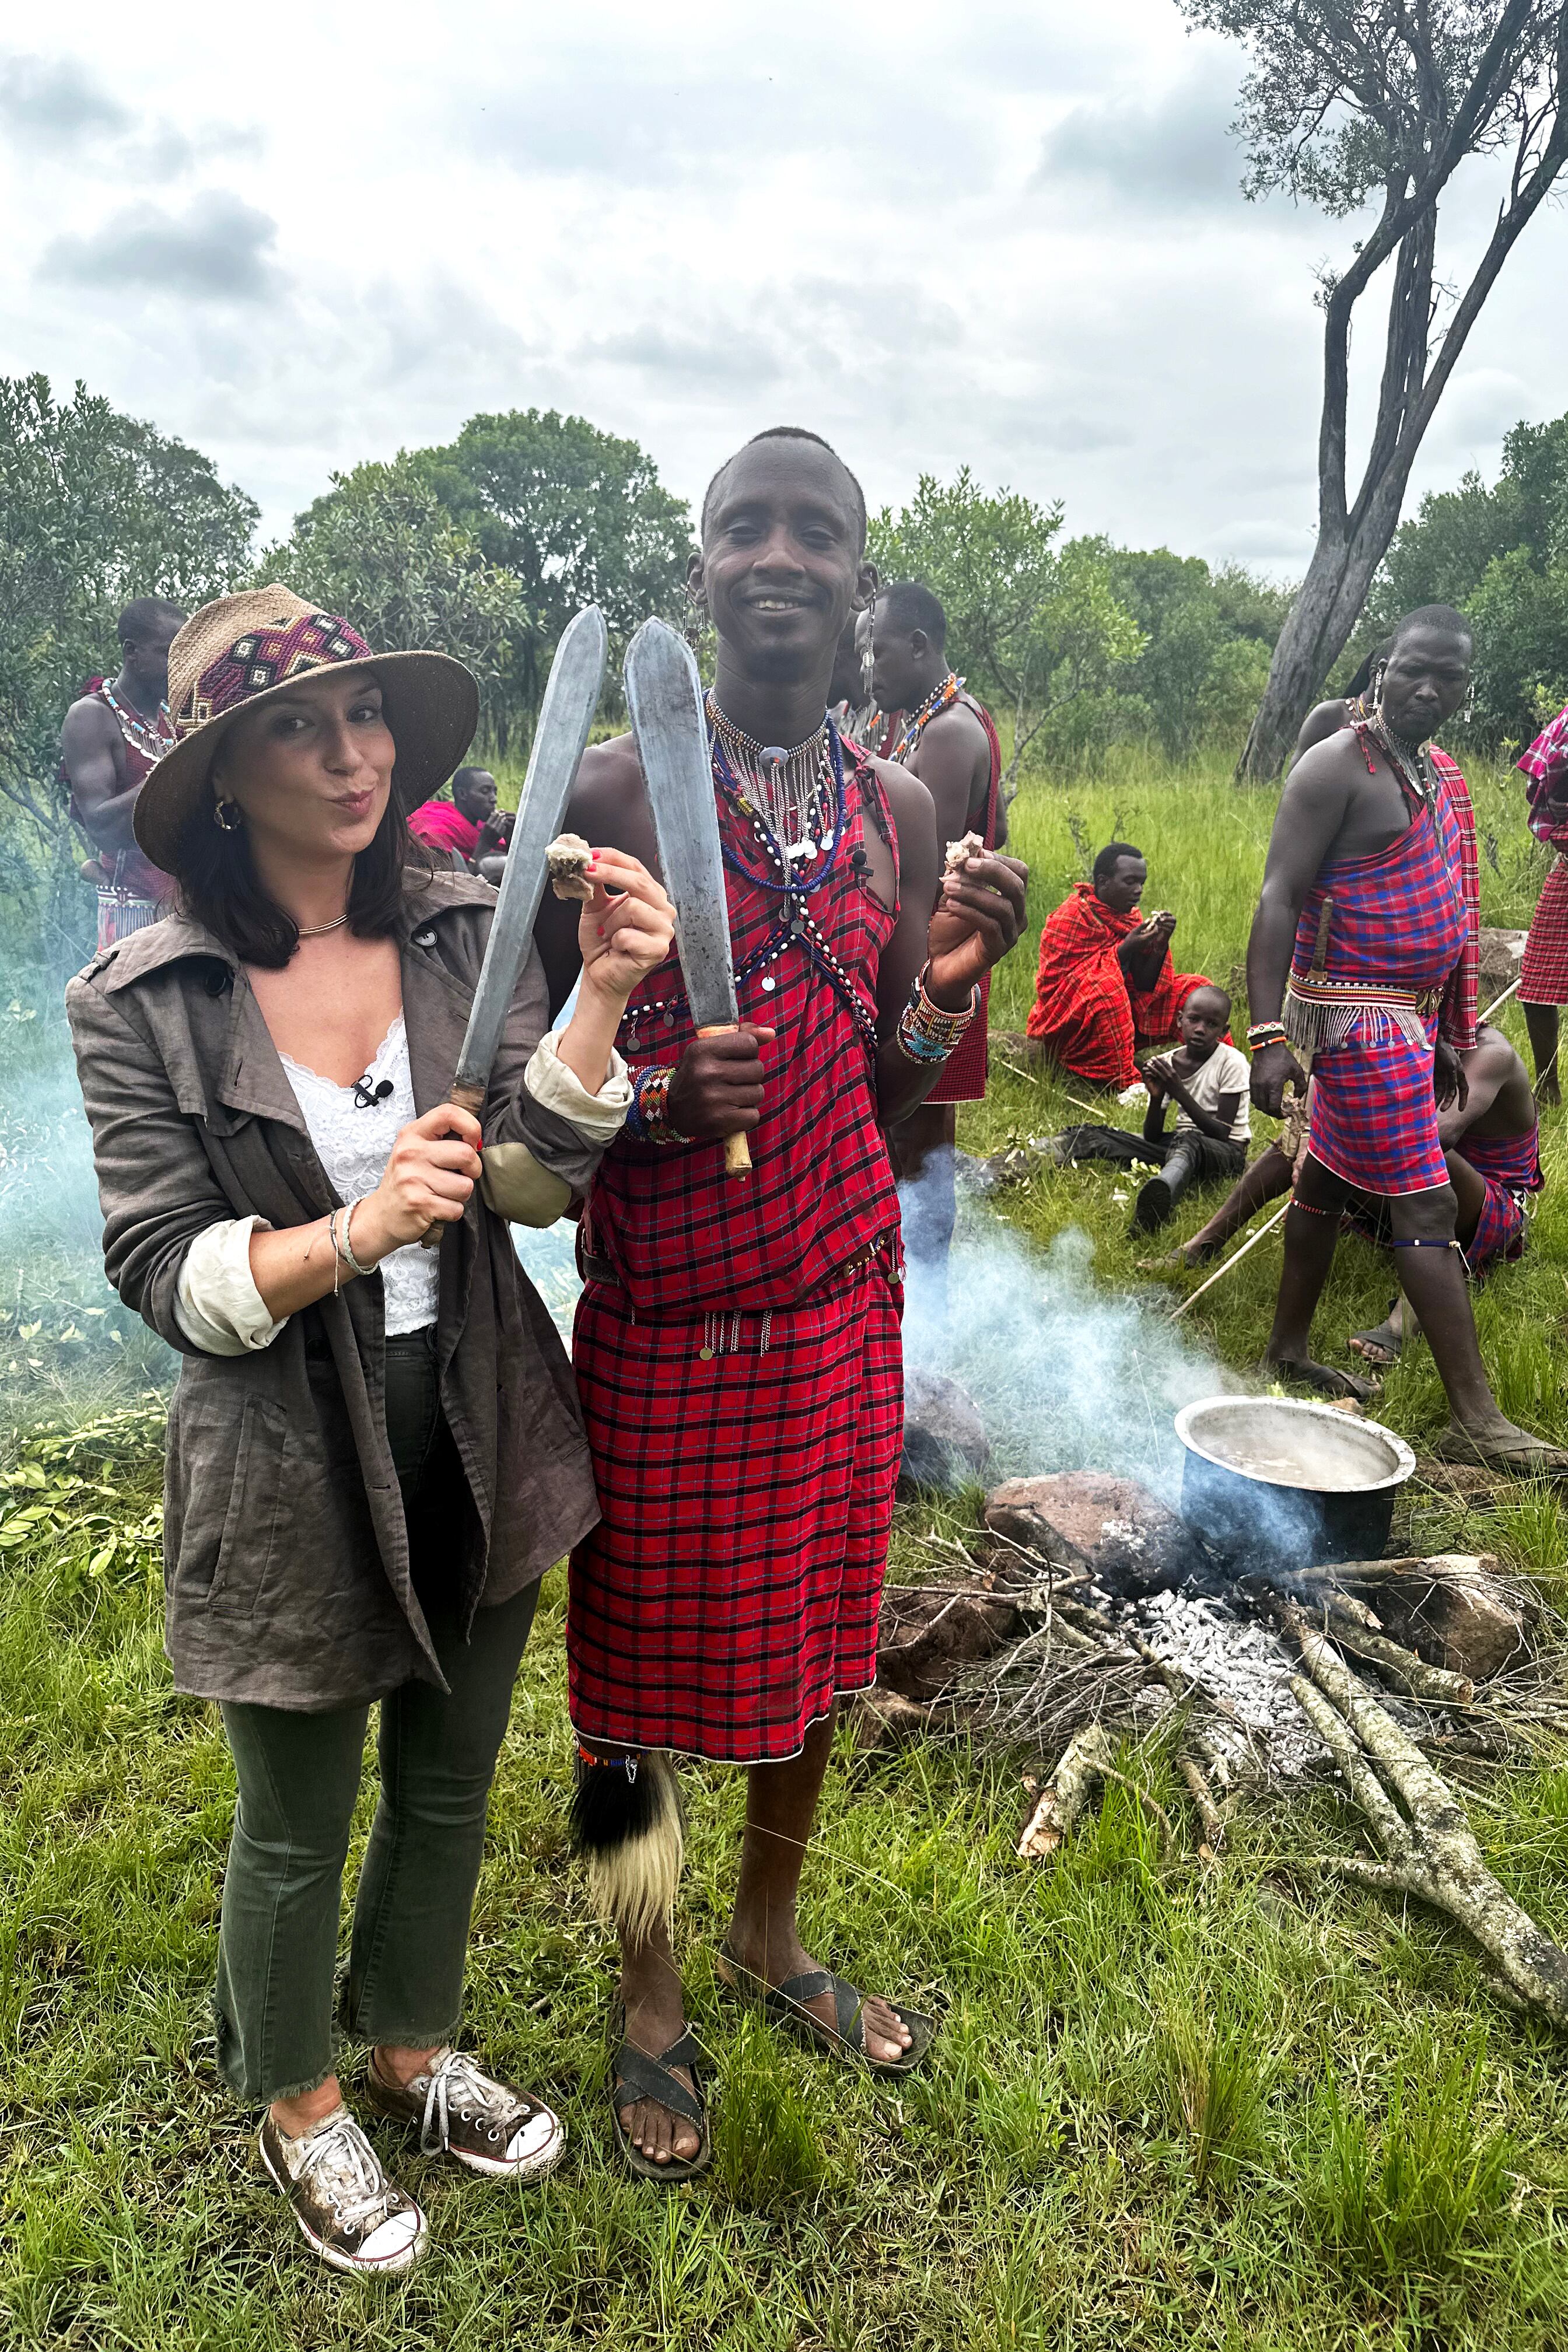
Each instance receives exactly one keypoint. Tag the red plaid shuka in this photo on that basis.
(1543, 974)
(963, 1079)
(1085, 1013)
(1401, 920)
(1510, 1167)
(737, 1352)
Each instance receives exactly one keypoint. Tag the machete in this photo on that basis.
(571, 699)
(664, 696)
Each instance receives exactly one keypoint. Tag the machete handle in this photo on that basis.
(737, 1159)
(466, 1098)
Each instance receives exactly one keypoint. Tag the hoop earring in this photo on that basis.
(227, 815)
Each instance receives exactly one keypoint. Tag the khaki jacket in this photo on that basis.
(286, 1554)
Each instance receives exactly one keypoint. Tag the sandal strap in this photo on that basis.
(848, 2004)
(650, 2078)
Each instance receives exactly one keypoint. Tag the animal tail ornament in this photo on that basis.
(627, 1824)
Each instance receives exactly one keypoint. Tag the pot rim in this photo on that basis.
(1403, 1461)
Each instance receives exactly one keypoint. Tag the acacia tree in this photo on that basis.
(1357, 102)
(1032, 623)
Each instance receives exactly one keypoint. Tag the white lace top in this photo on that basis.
(353, 1145)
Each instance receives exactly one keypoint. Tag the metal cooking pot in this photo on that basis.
(1275, 1482)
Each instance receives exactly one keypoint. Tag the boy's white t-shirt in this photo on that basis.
(1226, 1072)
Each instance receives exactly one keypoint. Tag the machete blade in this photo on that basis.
(664, 696)
(571, 698)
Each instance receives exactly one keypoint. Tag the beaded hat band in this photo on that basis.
(241, 650)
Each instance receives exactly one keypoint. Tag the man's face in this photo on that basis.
(780, 562)
(146, 658)
(898, 665)
(1122, 888)
(1426, 679)
(475, 794)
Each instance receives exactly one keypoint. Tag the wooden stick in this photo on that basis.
(1499, 999)
(1231, 1263)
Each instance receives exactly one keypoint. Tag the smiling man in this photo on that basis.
(1364, 953)
(737, 1344)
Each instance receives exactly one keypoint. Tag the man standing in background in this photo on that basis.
(948, 741)
(1543, 974)
(113, 737)
(469, 823)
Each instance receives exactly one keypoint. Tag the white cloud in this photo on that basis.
(1014, 238)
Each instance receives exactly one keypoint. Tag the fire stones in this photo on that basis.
(1126, 1539)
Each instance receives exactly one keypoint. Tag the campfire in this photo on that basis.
(1089, 1617)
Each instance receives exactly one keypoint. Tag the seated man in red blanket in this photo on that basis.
(1364, 940)
(1105, 985)
(737, 1348)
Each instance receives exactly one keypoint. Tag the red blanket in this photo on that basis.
(1084, 1012)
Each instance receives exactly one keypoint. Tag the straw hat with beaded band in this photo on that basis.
(242, 650)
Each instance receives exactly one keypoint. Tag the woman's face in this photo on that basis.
(312, 769)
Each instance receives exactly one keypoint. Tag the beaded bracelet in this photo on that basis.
(928, 1032)
(647, 1119)
(1267, 1032)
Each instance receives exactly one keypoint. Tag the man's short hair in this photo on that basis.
(908, 605)
(1111, 858)
(1442, 617)
(788, 433)
(467, 775)
(146, 614)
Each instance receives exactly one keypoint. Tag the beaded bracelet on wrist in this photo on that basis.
(647, 1119)
(1267, 1032)
(928, 1032)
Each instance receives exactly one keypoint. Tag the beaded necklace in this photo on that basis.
(1410, 763)
(791, 881)
(946, 691)
(788, 787)
(152, 736)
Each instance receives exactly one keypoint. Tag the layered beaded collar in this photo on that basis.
(946, 691)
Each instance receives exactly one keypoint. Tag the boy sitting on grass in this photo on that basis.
(1208, 1080)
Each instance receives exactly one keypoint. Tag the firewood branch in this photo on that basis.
(1429, 1849)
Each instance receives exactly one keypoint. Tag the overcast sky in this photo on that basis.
(1010, 235)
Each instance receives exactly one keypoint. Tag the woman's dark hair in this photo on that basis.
(219, 885)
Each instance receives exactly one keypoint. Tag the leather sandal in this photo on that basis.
(634, 2075)
(785, 2004)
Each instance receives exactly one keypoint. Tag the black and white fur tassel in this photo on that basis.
(626, 1824)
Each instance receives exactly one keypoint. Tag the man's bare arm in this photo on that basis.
(90, 750)
(1311, 811)
(954, 764)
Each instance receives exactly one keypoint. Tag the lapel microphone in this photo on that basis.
(366, 1096)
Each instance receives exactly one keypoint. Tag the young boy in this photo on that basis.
(1208, 1080)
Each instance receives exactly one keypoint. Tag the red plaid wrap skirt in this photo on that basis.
(746, 1464)
(1374, 1118)
(1543, 973)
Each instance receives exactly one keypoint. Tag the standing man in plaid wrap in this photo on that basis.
(737, 1344)
(1363, 952)
(948, 741)
(1543, 974)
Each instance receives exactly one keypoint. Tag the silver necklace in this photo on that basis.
(787, 786)
(316, 931)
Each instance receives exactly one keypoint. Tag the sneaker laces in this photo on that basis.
(347, 2174)
(455, 2080)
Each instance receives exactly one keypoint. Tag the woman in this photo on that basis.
(374, 1448)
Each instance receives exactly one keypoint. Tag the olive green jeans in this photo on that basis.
(299, 1779)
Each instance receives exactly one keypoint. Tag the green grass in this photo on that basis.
(1169, 2107)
